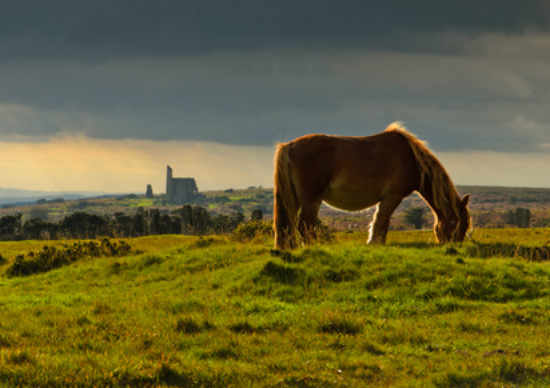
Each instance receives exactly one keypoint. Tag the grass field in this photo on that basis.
(212, 312)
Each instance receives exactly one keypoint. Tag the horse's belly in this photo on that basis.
(351, 199)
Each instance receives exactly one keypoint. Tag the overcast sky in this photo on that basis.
(101, 95)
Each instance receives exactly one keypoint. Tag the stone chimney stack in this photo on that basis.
(168, 183)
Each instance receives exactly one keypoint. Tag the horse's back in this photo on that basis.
(352, 173)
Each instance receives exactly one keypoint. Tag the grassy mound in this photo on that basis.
(212, 312)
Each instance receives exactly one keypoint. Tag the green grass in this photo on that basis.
(211, 312)
(146, 202)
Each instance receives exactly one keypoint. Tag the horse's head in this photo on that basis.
(455, 227)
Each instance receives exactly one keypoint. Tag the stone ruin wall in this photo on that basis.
(180, 191)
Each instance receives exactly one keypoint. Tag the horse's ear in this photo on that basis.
(465, 200)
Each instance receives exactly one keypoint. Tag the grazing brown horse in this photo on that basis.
(354, 173)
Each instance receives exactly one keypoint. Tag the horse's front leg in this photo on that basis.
(381, 219)
(307, 222)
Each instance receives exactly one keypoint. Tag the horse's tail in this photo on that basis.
(285, 200)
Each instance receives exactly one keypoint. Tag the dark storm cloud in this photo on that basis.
(105, 29)
(256, 98)
(464, 75)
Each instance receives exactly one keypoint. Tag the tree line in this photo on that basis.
(192, 220)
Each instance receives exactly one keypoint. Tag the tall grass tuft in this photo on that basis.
(189, 325)
(337, 323)
(529, 253)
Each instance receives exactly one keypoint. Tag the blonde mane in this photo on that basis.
(444, 193)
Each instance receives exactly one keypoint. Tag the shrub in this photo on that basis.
(252, 230)
(51, 257)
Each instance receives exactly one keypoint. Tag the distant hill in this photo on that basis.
(10, 196)
(490, 207)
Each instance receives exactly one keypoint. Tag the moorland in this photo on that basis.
(228, 311)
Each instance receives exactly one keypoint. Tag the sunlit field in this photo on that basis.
(220, 312)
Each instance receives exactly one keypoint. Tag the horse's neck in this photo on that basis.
(427, 192)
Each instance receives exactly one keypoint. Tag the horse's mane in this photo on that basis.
(444, 192)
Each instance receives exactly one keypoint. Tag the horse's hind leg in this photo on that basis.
(308, 220)
(381, 222)
(285, 223)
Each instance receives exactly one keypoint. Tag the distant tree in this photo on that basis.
(221, 224)
(169, 224)
(237, 218)
(139, 226)
(83, 225)
(37, 229)
(153, 221)
(524, 217)
(257, 215)
(510, 217)
(519, 217)
(226, 224)
(10, 226)
(194, 219)
(415, 216)
(122, 225)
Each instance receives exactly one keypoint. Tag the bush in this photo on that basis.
(252, 230)
(51, 257)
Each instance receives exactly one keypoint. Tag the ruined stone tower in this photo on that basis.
(149, 192)
(180, 191)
